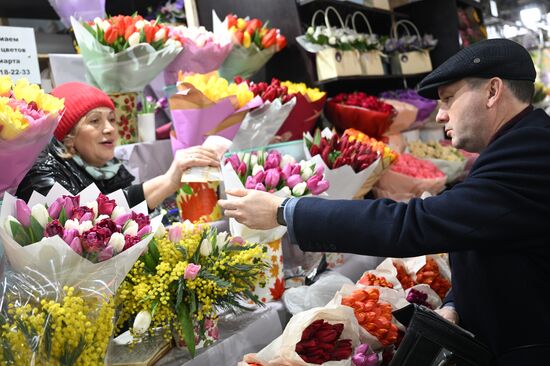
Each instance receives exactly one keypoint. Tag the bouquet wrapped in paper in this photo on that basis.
(260, 126)
(124, 53)
(405, 116)
(425, 106)
(203, 52)
(319, 336)
(410, 177)
(448, 159)
(189, 273)
(360, 111)
(253, 44)
(81, 10)
(347, 165)
(208, 105)
(302, 118)
(69, 258)
(28, 118)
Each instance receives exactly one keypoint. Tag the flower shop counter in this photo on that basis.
(239, 335)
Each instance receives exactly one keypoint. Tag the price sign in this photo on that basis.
(18, 57)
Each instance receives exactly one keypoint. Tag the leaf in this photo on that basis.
(179, 293)
(154, 251)
(150, 265)
(317, 137)
(69, 358)
(88, 28)
(8, 353)
(183, 251)
(186, 188)
(154, 308)
(36, 229)
(48, 337)
(62, 217)
(193, 303)
(186, 323)
(19, 233)
(209, 276)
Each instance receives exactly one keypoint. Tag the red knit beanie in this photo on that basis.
(80, 98)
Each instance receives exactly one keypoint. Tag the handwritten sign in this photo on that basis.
(18, 56)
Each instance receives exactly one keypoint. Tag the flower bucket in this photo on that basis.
(126, 117)
(203, 337)
(199, 202)
(274, 286)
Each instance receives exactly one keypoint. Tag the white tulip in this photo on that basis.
(246, 159)
(117, 212)
(344, 39)
(206, 248)
(287, 159)
(240, 155)
(161, 230)
(306, 173)
(7, 224)
(117, 242)
(131, 228)
(85, 226)
(220, 239)
(101, 217)
(93, 206)
(133, 39)
(257, 169)
(351, 38)
(142, 322)
(310, 30)
(332, 41)
(105, 25)
(188, 225)
(299, 189)
(139, 24)
(40, 213)
(72, 224)
(286, 191)
(253, 160)
(305, 164)
(98, 20)
(160, 34)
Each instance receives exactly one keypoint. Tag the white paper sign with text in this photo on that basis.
(18, 56)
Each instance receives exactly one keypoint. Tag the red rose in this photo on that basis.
(105, 206)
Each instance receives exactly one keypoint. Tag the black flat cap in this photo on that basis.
(501, 58)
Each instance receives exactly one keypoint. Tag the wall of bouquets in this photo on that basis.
(87, 268)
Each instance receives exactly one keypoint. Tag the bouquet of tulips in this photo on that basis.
(28, 117)
(68, 259)
(124, 53)
(253, 44)
(203, 52)
(208, 105)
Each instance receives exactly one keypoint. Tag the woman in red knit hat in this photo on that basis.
(82, 153)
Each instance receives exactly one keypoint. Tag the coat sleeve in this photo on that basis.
(505, 199)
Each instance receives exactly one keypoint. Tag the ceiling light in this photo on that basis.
(530, 17)
(494, 9)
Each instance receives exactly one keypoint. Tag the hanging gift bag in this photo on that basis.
(332, 62)
(412, 62)
(370, 61)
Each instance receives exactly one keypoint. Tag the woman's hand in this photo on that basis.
(196, 156)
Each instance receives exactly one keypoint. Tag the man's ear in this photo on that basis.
(495, 90)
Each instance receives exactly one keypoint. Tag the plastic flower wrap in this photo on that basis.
(28, 117)
(81, 10)
(447, 158)
(260, 126)
(425, 106)
(203, 52)
(410, 177)
(189, 274)
(348, 165)
(253, 44)
(410, 43)
(68, 261)
(124, 53)
(208, 105)
(360, 111)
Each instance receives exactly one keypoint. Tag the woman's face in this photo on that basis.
(95, 136)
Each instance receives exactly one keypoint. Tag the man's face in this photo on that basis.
(464, 113)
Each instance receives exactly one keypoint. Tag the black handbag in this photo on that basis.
(432, 340)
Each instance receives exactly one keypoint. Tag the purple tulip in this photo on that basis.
(23, 213)
(363, 357)
(68, 205)
(144, 230)
(105, 254)
(121, 220)
(69, 235)
(273, 160)
(235, 162)
(54, 209)
(287, 171)
(86, 217)
(272, 178)
(53, 228)
(250, 183)
(322, 186)
(241, 170)
(174, 233)
(293, 180)
(76, 246)
(260, 187)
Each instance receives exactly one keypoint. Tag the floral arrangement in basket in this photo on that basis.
(188, 274)
(408, 42)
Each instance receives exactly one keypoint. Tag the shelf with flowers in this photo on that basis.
(189, 274)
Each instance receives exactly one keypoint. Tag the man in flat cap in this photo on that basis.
(495, 224)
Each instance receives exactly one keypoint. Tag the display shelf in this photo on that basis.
(369, 84)
(318, 4)
(473, 3)
(359, 78)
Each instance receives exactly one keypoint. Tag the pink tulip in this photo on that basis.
(260, 176)
(191, 271)
(68, 205)
(76, 246)
(69, 235)
(54, 209)
(174, 233)
(105, 254)
(272, 177)
(241, 170)
(23, 212)
(322, 186)
(235, 162)
(86, 217)
(273, 160)
(250, 183)
(144, 230)
(287, 171)
(296, 169)
(259, 187)
(312, 182)
(293, 180)
(319, 170)
(121, 220)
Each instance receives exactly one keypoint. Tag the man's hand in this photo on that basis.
(255, 209)
(449, 313)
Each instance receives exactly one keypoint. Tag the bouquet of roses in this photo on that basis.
(203, 52)
(348, 165)
(207, 104)
(68, 260)
(124, 53)
(253, 44)
(28, 117)
(360, 111)
(189, 274)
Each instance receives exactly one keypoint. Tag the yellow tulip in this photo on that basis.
(12, 123)
(50, 104)
(23, 90)
(241, 24)
(5, 85)
(246, 40)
